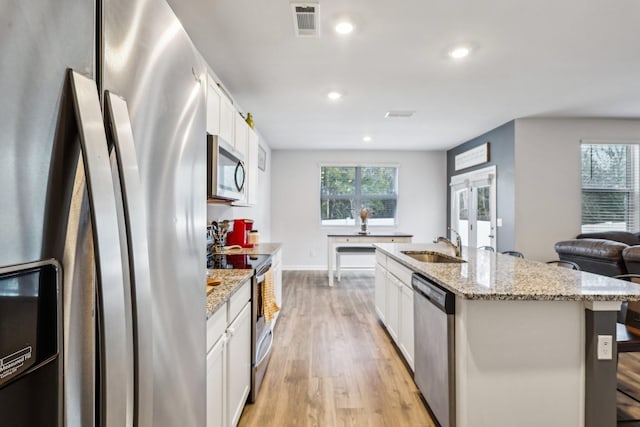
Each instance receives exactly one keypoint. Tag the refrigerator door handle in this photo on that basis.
(115, 346)
(119, 124)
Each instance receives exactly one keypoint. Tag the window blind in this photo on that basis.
(610, 187)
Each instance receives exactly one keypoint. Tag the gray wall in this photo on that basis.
(501, 154)
(548, 188)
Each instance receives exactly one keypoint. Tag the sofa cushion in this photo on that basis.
(616, 236)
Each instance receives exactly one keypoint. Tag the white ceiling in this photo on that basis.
(546, 58)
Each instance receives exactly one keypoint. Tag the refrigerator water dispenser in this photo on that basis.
(30, 365)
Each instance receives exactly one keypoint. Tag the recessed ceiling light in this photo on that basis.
(367, 138)
(460, 52)
(344, 27)
(334, 96)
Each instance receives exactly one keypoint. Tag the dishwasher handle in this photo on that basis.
(439, 297)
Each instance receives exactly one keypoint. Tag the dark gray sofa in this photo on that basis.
(608, 253)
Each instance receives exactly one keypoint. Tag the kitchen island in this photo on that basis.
(525, 337)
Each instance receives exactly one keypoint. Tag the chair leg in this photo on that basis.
(338, 265)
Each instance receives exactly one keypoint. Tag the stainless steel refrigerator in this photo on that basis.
(103, 169)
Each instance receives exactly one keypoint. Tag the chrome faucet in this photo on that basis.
(456, 246)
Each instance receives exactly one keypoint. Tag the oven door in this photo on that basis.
(263, 341)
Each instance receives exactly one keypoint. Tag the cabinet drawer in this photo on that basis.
(381, 258)
(238, 300)
(216, 325)
(395, 240)
(400, 271)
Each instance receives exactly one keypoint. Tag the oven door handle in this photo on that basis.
(266, 353)
(260, 278)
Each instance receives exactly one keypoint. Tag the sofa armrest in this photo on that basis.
(594, 255)
(631, 257)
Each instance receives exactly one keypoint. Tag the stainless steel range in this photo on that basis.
(261, 333)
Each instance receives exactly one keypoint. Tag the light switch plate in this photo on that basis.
(605, 347)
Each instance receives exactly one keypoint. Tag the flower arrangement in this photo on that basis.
(364, 215)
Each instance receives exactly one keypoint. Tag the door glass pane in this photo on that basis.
(483, 215)
(460, 221)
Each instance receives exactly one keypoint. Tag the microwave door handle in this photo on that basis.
(239, 168)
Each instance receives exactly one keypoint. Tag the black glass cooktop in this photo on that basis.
(236, 261)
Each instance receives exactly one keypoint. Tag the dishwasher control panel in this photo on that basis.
(443, 299)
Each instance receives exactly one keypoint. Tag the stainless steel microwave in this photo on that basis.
(225, 170)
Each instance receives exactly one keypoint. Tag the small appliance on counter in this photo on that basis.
(239, 234)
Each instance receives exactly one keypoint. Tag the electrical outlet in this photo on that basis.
(605, 347)
(312, 254)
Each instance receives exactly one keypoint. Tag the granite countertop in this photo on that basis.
(231, 281)
(493, 276)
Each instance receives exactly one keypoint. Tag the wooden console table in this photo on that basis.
(373, 237)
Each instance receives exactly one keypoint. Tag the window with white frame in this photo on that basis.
(610, 187)
(345, 190)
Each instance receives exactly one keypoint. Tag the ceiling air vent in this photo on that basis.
(306, 18)
(398, 113)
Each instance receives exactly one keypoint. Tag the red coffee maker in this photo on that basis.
(238, 236)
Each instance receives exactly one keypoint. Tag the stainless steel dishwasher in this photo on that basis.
(434, 309)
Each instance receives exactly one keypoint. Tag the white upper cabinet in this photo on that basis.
(213, 106)
(227, 119)
(252, 168)
(241, 137)
(224, 120)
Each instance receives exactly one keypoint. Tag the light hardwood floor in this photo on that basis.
(629, 381)
(332, 363)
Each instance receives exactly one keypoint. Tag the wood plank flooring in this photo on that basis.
(332, 363)
(629, 382)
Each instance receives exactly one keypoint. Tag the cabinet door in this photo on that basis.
(392, 320)
(227, 116)
(380, 290)
(216, 372)
(238, 364)
(252, 168)
(241, 136)
(213, 107)
(406, 324)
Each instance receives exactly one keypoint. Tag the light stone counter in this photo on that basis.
(492, 276)
(231, 281)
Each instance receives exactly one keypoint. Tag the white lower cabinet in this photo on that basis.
(239, 364)
(380, 291)
(229, 360)
(391, 316)
(216, 371)
(394, 304)
(405, 330)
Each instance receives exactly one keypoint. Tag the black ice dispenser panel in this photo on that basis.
(30, 342)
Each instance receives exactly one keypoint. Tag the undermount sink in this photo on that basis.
(433, 257)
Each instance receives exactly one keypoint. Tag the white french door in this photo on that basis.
(473, 207)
